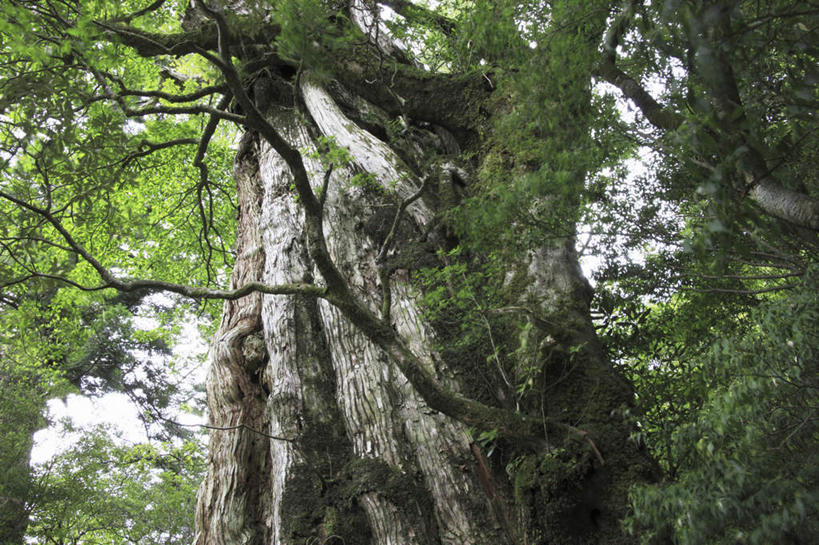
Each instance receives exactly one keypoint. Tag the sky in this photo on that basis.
(115, 409)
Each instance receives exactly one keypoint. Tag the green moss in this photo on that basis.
(321, 506)
(526, 479)
(303, 503)
(364, 475)
(314, 508)
(330, 521)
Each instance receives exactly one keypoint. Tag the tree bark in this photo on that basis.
(322, 437)
(361, 455)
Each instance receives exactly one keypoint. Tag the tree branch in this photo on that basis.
(170, 97)
(420, 14)
(607, 69)
(194, 292)
(145, 148)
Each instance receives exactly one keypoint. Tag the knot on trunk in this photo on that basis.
(254, 352)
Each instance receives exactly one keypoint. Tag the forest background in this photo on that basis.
(676, 142)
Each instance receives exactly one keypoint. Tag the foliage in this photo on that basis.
(533, 178)
(127, 192)
(95, 170)
(71, 343)
(99, 493)
(746, 458)
(460, 299)
(307, 34)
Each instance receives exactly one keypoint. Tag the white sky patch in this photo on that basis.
(115, 410)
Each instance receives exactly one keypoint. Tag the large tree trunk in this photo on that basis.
(334, 426)
(322, 439)
(360, 455)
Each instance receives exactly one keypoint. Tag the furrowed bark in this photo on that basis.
(230, 506)
(376, 413)
(376, 448)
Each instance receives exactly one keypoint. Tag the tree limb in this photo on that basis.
(170, 97)
(607, 69)
(420, 14)
(195, 292)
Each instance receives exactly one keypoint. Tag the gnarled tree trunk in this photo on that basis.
(324, 438)
(324, 433)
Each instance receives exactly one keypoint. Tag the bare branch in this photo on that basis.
(150, 44)
(752, 276)
(761, 185)
(190, 110)
(38, 239)
(139, 13)
(171, 97)
(194, 109)
(195, 292)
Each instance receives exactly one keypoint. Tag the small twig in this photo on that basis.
(495, 350)
(382, 254)
(225, 428)
(325, 186)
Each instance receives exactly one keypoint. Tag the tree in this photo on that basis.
(98, 492)
(54, 344)
(406, 352)
(737, 478)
